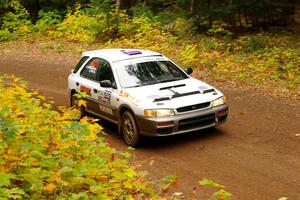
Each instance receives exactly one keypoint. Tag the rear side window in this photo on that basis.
(90, 70)
(80, 63)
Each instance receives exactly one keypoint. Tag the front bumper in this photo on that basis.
(183, 122)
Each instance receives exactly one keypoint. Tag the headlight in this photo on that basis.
(158, 113)
(219, 101)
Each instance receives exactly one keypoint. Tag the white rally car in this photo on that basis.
(145, 93)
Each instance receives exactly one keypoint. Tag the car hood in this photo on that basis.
(173, 94)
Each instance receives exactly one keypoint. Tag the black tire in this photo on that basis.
(74, 104)
(129, 130)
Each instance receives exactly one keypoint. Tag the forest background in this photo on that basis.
(252, 41)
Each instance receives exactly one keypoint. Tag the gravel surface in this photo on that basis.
(256, 154)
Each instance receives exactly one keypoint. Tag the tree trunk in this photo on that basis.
(209, 13)
(35, 9)
(125, 4)
(192, 7)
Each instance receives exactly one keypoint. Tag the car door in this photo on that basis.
(88, 82)
(106, 97)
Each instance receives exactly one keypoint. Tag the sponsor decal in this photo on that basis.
(95, 64)
(104, 96)
(92, 68)
(85, 89)
(123, 94)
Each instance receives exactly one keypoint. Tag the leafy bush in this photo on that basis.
(46, 154)
(189, 55)
(5, 35)
(284, 62)
(113, 21)
(252, 43)
(17, 21)
(142, 10)
(179, 27)
(47, 21)
(77, 26)
(219, 30)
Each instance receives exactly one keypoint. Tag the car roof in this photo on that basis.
(113, 55)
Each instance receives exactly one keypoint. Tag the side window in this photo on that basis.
(90, 70)
(80, 63)
(105, 72)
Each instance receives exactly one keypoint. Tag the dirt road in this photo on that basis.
(256, 154)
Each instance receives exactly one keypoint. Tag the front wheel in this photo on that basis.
(130, 130)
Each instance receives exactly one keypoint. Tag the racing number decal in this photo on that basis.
(105, 96)
(85, 89)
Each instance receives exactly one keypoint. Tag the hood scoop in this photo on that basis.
(209, 91)
(176, 96)
(161, 99)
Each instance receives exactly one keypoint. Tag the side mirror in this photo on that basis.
(189, 70)
(105, 84)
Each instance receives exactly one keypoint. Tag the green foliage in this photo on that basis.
(103, 11)
(219, 30)
(47, 21)
(142, 10)
(252, 43)
(168, 182)
(17, 20)
(46, 154)
(77, 26)
(221, 194)
(259, 58)
(113, 21)
(5, 35)
(178, 27)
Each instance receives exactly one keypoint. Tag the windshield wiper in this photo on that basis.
(170, 80)
(151, 82)
(155, 82)
(134, 86)
(145, 83)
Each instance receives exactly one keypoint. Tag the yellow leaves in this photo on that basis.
(60, 151)
(42, 97)
(92, 136)
(189, 54)
(33, 187)
(56, 178)
(82, 103)
(21, 131)
(49, 187)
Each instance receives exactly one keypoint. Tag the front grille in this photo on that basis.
(193, 107)
(196, 122)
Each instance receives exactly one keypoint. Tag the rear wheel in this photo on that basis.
(130, 130)
(74, 103)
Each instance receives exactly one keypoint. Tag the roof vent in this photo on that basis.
(131, 52)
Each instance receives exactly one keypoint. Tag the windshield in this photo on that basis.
(148, 73)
